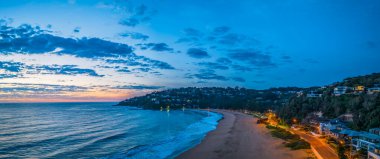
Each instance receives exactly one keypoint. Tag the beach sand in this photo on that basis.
(239, 137)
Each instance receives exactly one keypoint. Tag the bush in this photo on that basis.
(298, 144)
(270, 127)
(293, 141)
(283, 134)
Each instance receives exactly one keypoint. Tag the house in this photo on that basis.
(299, 93)
(332, 127)
(340, 90)
(346, 135)
(334, 133)
(359, 88)
(374, 152)
(375, 131)
(365, 140)
(347, 117)
(313, 94)
(373, 90)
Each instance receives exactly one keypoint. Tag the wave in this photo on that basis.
(97, 131)
(174, 145)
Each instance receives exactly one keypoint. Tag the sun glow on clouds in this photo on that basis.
(111, 50)
(33, 85)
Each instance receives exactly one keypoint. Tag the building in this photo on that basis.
(347, 117)
(374, 152)
(347, 135)
(375, 131)
(365, 140)
(332, 128)
(359, 88)
(313, 94)
(340, 90)
(373, 90)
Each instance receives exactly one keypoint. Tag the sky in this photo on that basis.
(110, 50)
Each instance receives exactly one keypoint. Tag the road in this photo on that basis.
(321, 147)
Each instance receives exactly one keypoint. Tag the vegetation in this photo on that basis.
(364, 107)
(340, 148)
(293, 141)
(215, 97)
(341, 152)
(287, 102)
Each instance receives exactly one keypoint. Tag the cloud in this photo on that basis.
(142, 69)
(143, 62)
(221, 30)
(11, 66)
(192, 32)
(206, 74)
(136, 16)
(224, 64)
(76, 30)
(17, 67)
(238, 79)
(131, 21)
(213, 65)
(16, 88)
(192, 36)
(26, 39)
(139, 87)
(197, 53)
(3, 75)
(286, 58)
(135, 35)
(158, 64)
(64, 70)
(160, 47)
(219, 37)
(236, 39)
(259, 82)
(224, 60)
(124, 69)
(9, 69)
(241, 68)
(252, 57)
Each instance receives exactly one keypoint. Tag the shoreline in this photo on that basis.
(238, 136)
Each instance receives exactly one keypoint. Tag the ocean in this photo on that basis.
(99, 130)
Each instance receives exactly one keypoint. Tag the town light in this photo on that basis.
(294, 120)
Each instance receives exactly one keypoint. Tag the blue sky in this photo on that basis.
(84, 50)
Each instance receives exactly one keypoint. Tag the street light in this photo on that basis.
(294, 120)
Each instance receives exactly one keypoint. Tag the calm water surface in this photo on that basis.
(98, 130)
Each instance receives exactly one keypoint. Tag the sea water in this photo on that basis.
(99, 130)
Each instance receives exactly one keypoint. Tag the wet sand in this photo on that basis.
(239, 137)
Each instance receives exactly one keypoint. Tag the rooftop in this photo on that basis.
(369, 135)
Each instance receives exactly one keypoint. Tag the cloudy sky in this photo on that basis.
(87, 50)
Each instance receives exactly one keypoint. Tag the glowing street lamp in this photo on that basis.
(294, 120)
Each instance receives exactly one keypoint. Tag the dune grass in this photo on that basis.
(293, 141)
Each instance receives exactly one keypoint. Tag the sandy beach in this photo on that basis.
(239, 137)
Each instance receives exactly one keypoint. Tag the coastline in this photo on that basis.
(238, 136)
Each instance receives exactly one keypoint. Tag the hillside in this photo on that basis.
(215, 97)
(363, 105)
(288, 102)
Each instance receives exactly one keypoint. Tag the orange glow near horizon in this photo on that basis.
(91, 96)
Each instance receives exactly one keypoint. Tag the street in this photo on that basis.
(322, 148)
